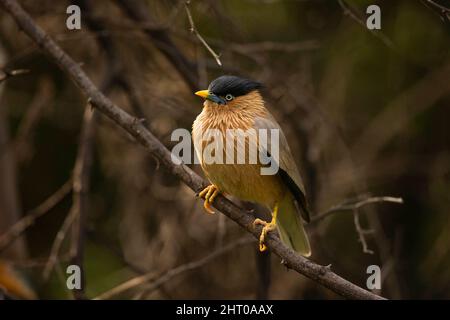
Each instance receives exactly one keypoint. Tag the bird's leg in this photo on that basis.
(268, 226)
(210, 193)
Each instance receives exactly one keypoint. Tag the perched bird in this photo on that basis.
(235, 103)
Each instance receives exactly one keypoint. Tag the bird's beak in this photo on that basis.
(202, 93)
(205, 94)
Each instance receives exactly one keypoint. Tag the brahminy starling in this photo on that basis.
(233, 103)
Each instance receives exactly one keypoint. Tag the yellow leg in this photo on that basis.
(268, 226)
(210, 193)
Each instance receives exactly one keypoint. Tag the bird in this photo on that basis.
(232, 103)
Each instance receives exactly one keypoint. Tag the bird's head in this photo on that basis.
(231, 91)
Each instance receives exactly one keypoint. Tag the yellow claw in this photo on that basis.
(210, 193)
(268, 226)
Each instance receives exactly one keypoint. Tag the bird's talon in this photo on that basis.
(207, 207)
(209, 193)
(259, 222)
(268, 226)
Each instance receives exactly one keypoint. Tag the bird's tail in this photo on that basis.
(290, 226)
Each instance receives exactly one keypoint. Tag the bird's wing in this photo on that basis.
(287, 168)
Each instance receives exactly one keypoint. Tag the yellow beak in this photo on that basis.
(202, 93)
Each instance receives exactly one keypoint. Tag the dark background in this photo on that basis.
(365, 113)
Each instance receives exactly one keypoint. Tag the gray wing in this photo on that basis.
(288, 171)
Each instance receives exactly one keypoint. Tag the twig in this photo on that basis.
(349, 11)
(81, 182)
(137, 10)
(318, 273)
(361, 232)
(443, 11)
(170, 274)
(56, 247)
(437, 5)
(352, 205)
(8, 74)
(28, 220)
(194, 31)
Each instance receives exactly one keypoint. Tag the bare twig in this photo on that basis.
(349, 11)
(361, 232)
(318, 273)
(57, 244)
(443, 11)
(8, 74)
(28, 220)
(81, 182)
(137, 10)
(354, 205)
(157, 281)
(437, 5)
(194, 31)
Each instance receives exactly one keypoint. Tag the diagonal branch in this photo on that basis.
(8, 74)
(28, 220)
(351, 12)
(137, 11)
(194, 31)
(321, 274)
(152, 280)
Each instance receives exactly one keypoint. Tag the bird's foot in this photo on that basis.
(210, 193)
(268, 226)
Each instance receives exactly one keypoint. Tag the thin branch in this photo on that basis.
(438, 6)
(349, 11)
(8, 74)
(170, 274)
(352, 205)
(321, 274)
(361, 232)
(29, 219)
(194, 31)
(443, 11)
(57, 244)
(137, 10)
(81, 183)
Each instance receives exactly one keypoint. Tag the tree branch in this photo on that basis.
(81, 184)
(8, 74)
(28, 220)
(137, 10)
(133, 126)
(351, 12)
(194, 30)
(156, 281)
(354, 205)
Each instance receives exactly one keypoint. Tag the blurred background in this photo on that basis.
(366, 114)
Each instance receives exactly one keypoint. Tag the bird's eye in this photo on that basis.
(229, 97)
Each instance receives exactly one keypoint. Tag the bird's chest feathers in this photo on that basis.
(243, 180)
(214, 126)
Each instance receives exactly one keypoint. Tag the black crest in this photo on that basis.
(233, 85)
